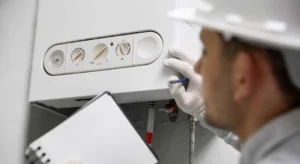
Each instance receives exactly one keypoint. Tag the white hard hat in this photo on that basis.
(275, 23)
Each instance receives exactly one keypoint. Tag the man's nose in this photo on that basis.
(198, 66)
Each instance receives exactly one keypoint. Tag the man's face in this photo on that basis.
(216, 71)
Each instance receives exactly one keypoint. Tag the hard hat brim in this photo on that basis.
(259, 35)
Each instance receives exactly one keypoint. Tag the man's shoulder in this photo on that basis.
(276, 142)
(287, 152)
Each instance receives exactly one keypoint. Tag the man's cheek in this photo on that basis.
(205, 90)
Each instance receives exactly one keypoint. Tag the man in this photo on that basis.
(250, 71)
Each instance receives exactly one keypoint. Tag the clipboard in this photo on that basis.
(98, 133)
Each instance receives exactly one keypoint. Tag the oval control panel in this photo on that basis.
(103, 53)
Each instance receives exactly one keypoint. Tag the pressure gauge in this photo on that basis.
(56, 59)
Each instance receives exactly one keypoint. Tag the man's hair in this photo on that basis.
(290, 91)
(276, 60)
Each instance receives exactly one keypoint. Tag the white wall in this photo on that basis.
(17, 21)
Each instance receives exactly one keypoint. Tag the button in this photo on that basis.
(57, 59)
(147, 47)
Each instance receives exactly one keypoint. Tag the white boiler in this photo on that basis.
(85, 47)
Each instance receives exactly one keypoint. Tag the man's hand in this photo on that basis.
(189, 99)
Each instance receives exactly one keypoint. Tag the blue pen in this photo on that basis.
(181, 80)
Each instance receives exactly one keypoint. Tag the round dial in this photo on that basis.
(100, 53)
(77, 55)
(123, 48)
(56, 58)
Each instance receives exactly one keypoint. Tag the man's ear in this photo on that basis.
(245, 74)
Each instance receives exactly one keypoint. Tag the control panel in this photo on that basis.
(103, 53)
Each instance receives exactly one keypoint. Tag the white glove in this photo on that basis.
(189, 100)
